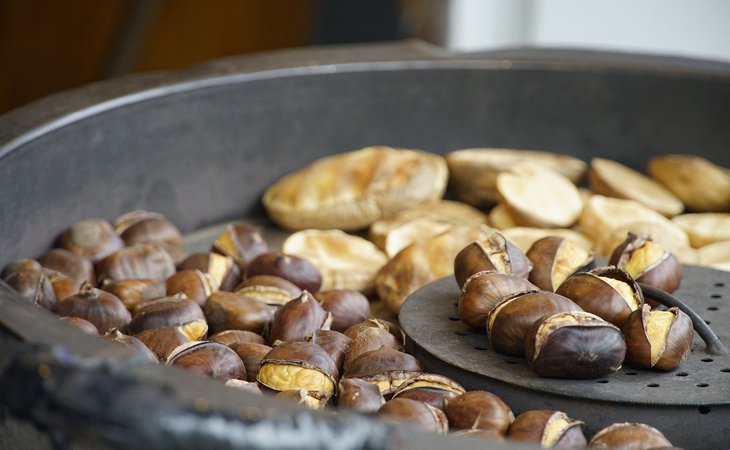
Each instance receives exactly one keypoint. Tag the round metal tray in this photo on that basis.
(690, 405)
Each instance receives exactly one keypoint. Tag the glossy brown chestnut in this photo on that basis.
(647, 262)
(390, 327)
(117, 336)
(82, 324)
(297, 270)
(35, 287)
(348, 307)
(429, 388)
(509, 321)
(165, 312)
(101, 308)
(483, 290)
(91, 238)
(299, 365)
(145, 227)
(554, 259)
(251, 354)
(574, 344)
(222, 268)
(479, 409)
(657, 339)
(298, 319)
(194, 284)
(551, 429)
(135, 292)
(75, 267)
(241, 242)
(211, 359)
(493, 253)
(272, 290)
(360, 395)
(384, 367)
(334, 343)
(233, 311)
(137, 261)
(629, 436)
(368, 339)
(162, 341)
(607, 292)
(228, 337)
(415, 413)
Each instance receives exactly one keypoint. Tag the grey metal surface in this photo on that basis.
(698, 392)
(201, 145)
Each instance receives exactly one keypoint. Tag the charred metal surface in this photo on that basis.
(698, 392)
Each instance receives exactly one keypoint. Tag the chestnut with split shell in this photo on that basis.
(211, 359)
(360, 395)
(494, 252)
(554, 259)
(483, 290)
(299, 365)
(416, 413)
(608, 292)
(629, 436)
(479, 409)
(574, 344)
(233, 311)
(162, 341)
(551, 429)
(657, 339)
(194, 284)
(385, 367)
(298, 319)
(165, 312)
(222, 268)
(647, 262)
(429, 388)
(241, 242)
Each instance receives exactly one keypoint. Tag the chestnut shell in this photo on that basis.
(483, 290)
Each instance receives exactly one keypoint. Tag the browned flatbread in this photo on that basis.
(351, 190)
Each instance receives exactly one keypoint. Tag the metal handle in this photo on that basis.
(714, 345)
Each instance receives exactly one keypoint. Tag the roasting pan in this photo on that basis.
(201, 145)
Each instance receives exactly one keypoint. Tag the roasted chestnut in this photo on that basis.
(222, 268)
(233, 311)
(483, 290)
(211, 359)
(162, 341)
(298, 319)
(137, 261)
(348, 307)
(334, 343)
(117, 336)
(310, 399)
(34, 286)
(478, 409)
(607, 292)
(241, 242)
(82, 324)
(367, 339)
(297, 270)
(390, 327)
(554, 259)
(165, 312)
(360, 395)
(647, 262)
(75, 267)
(509, 321)
(657, 339)
(429, 388)
(384, 367)
(574, 344)
(629, 436)
(299, 365)
(99, 307)
(551, 429)
(135, 292)
(493, 253)
(194, 284)
(228, 337)
(251, 354)
(416, 413)
(91, 238)
(269, 289)
(145, 227)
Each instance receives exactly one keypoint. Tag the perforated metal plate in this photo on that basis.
(690, 405)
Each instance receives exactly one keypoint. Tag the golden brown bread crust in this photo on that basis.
(351, 190)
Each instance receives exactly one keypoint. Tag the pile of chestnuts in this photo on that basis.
(257, 320)
(568, 318)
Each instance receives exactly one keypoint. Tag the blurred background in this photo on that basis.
(47, 46)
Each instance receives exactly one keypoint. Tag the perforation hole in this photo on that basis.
(712, 308)
(702, 385)
(704, 409)
(720, 284)
(653, 385)
(716, 296)
(454, 318)
(707, 360)
(480, 347)
(631, 373)
(682, 374)
(725, 370)
(602, 381)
